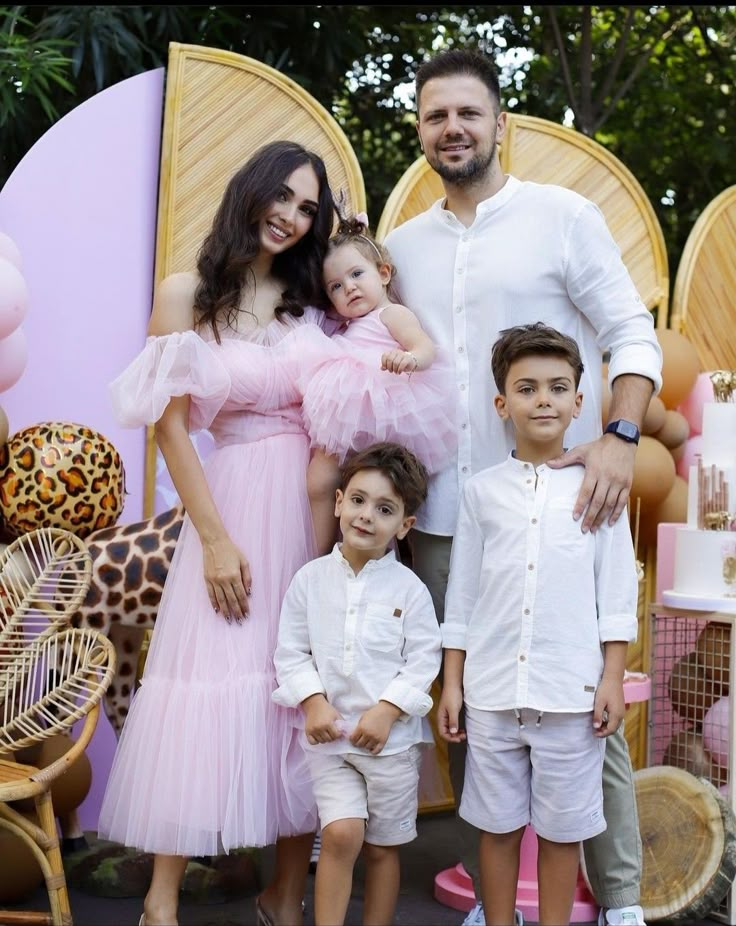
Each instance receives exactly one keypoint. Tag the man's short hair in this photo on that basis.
(407, 474)
(460, 61)
(527, 340)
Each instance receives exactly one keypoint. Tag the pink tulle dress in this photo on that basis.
(349, 402)
(206, 761)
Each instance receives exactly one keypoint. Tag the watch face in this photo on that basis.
(628, 430)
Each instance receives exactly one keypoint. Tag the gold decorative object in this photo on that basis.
(724, 385)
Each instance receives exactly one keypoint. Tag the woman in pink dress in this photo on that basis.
(206, 761)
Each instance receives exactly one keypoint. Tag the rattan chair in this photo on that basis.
(44, 577)
(52, 683)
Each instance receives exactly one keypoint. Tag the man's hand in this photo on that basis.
(320, 720)
(608, 707)
(609, 472)
(374, 727)
(448, 715)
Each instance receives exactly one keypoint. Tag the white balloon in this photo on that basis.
(13, 298)
(13, 358)
(9, 251)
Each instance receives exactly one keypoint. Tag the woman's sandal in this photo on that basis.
(262, 917)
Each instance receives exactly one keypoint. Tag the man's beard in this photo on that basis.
(470, 172)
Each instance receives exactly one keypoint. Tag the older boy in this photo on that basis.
(538, 615)
(359, 647)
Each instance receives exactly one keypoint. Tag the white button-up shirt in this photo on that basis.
(359, 639)
(535, 252)
(531, 598)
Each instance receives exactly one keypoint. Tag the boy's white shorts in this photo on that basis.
(383, 790)
(549, 775)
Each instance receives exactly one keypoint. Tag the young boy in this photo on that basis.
(538, 616)
(359, 647)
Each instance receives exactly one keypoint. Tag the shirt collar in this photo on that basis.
(386, 560)
(522, 465)
(486, 207)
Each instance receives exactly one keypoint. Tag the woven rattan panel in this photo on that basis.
(703, 301)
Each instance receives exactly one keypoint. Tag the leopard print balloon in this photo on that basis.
(56, 474)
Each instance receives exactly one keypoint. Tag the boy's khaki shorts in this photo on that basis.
(549, 775)
(383, 790)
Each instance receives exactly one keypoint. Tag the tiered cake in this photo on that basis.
(705, 549)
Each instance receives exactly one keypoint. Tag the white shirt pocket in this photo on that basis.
(382, 627)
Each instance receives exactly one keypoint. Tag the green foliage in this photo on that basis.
(654, 84)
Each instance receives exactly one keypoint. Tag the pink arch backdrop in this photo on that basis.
(81, 206)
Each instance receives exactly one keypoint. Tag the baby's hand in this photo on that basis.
(320, 720)
(399, 361)
(374, 727)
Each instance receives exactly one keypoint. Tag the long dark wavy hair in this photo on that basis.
(225, 258)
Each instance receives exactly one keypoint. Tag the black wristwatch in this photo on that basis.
(624, 429)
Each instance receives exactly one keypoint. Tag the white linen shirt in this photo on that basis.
(535, 252)
(531, 598)
(359, 639)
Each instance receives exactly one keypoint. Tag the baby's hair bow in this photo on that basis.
(362, 217)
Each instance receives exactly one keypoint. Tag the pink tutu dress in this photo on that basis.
(206, 761)
(350, 402)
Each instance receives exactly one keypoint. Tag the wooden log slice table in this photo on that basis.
(688, 834)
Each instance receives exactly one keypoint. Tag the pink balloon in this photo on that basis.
(13, 298)
(693, 446)
(9, 251)
(692, 407)
(715, 731)
(13, 358)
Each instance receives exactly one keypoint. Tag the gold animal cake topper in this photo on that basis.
(724, 385)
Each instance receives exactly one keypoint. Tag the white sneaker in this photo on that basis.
(477, 917)
(622, 916)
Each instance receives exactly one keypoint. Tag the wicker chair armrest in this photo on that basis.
(51, 772)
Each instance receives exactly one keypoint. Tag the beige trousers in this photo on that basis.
(613, 858)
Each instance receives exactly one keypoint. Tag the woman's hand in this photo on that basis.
(227, 577)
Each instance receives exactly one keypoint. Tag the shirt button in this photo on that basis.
(522, 658)
(531, 565)
(528, 481)
(460, 349)
(462, 387)
(458, 308)
(465, 469)
(460, 270)
(464, 425)
(534, 520)
(527, 611)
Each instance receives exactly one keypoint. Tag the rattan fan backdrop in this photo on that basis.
(703, 301)
(542, 151)
(220, 108)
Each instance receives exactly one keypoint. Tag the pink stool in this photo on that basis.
(453, 887)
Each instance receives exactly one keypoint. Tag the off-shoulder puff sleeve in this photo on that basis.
(175, 364)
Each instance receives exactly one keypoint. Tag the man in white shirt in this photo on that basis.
(538, 616)
(498, 252)
(358, 648)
